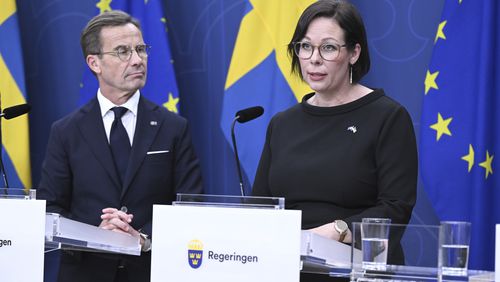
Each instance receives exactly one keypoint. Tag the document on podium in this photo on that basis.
(316, 248)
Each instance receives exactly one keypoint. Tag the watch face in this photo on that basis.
(341, 226)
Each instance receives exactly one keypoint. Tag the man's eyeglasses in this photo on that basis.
(327, 51)
(124, 53)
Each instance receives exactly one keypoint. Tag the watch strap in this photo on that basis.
(342, 236)
(341, 230)
(146, 246)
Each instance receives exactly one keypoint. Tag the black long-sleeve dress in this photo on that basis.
(344, 162)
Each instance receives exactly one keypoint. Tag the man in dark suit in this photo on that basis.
(108, 162)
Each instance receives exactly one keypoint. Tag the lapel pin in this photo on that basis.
(353, 129)
(153, 123)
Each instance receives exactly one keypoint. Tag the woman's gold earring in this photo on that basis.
(350, 74)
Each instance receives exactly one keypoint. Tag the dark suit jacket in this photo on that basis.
(79, 179)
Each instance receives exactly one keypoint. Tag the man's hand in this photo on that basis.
(118, 221)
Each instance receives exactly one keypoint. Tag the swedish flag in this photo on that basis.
(161, 86)
(259, 73)
(460, 134)
(15, 132)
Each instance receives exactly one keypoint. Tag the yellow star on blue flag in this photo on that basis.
(171, 104)
(104, 6)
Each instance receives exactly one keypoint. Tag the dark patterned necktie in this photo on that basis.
(119, 142)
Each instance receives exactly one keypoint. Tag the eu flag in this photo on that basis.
(161, 86)
(15, 133)
(259, 73)
(461, 122)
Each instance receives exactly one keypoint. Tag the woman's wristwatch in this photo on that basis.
(146, 246)
(341, 227)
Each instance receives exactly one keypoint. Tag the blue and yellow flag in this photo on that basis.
(259, 73)
(460, 136)
(15, 132)
(161, 86)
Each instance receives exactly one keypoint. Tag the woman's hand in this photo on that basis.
(328, 231)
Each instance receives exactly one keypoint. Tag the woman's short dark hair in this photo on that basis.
(90, 39)
(348, 18)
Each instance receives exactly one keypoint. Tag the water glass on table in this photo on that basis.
(375, 242)
(454, 241)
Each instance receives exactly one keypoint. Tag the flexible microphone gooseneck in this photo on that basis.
(9, 113)
(242, 117)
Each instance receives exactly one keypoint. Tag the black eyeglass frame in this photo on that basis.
(319, 47)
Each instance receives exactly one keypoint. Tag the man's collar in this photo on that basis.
(105, 104)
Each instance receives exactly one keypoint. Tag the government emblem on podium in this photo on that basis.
(195, 253)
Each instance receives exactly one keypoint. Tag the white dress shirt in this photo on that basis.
(129, 119)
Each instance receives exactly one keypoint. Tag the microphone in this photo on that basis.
(8, 113)
(249, 114)
(15, 111)
(243, 116)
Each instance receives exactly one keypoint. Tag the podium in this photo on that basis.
(420, 264)
(67, 234)
(27, 232)
(22, 223)
(225, 238)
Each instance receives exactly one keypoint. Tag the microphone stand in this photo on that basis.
(2, 168)
(236, 155)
